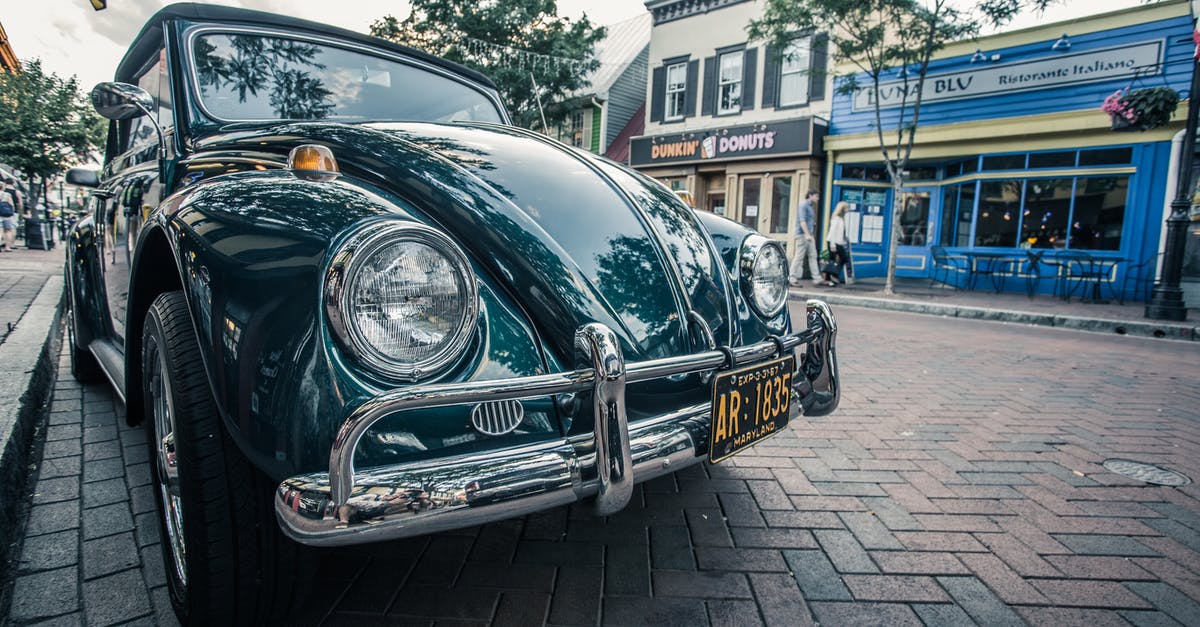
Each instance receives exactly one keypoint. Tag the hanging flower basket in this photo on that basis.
(1140, 109)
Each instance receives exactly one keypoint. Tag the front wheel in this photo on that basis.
(227, 562)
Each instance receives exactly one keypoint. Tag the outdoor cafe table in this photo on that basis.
(1094, 270)
(995, 265)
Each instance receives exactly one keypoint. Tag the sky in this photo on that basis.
(72, 39)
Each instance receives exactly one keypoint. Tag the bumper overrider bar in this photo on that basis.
(345, 506)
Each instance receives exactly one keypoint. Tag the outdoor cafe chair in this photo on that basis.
(1035, 269)
(951, 268)
(1141, 275)
(1074, 271)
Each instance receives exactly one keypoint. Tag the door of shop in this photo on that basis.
(918, 223)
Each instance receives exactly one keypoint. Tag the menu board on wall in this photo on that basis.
(873, 202)
(864, 220)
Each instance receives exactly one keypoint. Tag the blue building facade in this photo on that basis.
(1013, 154)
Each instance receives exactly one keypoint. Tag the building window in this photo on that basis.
(1047, 212)
(1099, 212)
(793, 73)
(676, 87)
(750, 189)
(730, 89)
(573, 131)
(781, 208)
(999, 213)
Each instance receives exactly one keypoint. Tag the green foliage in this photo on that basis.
(46, 124)
(1150, 107)
(441, 27)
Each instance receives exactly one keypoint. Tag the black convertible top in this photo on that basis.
(151, 36)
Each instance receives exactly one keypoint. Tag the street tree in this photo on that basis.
(535, 57)
(46, 124)
(874, 41)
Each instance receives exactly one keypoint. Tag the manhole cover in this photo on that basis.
(1146, 472)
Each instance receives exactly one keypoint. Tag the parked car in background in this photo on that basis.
(350, 302)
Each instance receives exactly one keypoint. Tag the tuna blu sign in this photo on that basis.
(1054, 71)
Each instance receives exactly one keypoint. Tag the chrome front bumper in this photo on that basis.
(344, 507)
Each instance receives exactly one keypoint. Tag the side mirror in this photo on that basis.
(121, 101)
(83, 177)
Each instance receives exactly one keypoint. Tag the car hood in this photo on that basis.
(571, 237)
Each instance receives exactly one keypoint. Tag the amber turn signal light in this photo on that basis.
(311, 158)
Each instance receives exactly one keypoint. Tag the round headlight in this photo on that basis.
(402, 299)
(764, 275)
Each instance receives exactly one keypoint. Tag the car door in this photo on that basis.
(133, 190)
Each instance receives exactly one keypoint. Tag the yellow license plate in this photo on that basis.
(749, 406)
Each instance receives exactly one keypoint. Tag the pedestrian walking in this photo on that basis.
(8, 217)
(836, 239)
(805, 244)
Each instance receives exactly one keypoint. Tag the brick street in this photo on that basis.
(959, 482)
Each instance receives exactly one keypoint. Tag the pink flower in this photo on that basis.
(1115, 106)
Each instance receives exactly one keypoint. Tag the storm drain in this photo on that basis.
(1148, 473)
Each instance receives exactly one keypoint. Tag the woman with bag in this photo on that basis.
(836, 239)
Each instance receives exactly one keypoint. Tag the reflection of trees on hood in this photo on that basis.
(271, 65)
(630, 268)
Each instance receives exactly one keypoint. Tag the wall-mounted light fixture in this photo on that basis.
(978, 57)
(1063, 44)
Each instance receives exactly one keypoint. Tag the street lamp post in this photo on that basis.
(1166, 302)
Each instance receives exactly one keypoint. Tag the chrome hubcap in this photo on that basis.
(165, 457)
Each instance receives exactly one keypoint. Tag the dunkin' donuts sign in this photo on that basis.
(725, 143)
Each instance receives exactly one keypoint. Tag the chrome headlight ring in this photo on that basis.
(764, 279)
(365, 284)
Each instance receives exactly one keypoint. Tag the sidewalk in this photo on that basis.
(917, 296)
(31, 288)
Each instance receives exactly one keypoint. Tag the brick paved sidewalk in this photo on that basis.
(958, 483)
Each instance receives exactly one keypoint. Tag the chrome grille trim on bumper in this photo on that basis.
(345, 507)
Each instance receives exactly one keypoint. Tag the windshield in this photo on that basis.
(260, 77)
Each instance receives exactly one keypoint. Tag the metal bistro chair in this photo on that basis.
(1075, 271)
(1141, 275)
(1034, 270)
(949, 267)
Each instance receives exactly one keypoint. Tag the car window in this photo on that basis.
(260, 77)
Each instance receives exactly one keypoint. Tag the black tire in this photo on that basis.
(84, 367)
(237, 567)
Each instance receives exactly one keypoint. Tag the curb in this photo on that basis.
(28, 358)
(1138, 328)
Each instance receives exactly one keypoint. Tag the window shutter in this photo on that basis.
(658, 93)
(818, 71)
(770, 76)
(689, 100)
(710, 86)
(749, 65)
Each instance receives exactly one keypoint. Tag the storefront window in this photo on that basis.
(1099, 212)
(949, 212)
(750, 189)
(1004, 162)
(999, 213)
(914, 218)
(1047, 213)
(781, 209)
(1106, 156)
(1062, 159)
(966, 208)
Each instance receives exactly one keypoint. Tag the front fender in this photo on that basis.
(251, 251)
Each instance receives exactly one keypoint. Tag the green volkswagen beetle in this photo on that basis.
(351, 302)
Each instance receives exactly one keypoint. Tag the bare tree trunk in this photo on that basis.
(897, 207)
